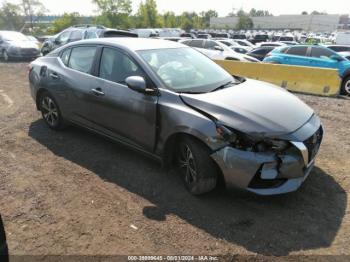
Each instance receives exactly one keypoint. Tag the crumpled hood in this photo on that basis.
(23, 44)
(253, 107)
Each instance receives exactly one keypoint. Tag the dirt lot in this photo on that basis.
(73, 192)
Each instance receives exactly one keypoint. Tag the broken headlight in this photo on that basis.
(246, 142)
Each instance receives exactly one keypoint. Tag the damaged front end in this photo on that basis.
(268, 166)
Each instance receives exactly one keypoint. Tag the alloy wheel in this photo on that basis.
(50, 111)
(347, 87)
(187, 164)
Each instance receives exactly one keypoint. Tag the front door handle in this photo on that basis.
(97, 91)
(54, 75)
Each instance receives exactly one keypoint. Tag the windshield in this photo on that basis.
(14, 36)
(186, 70)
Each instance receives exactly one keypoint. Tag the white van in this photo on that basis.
(343, 38)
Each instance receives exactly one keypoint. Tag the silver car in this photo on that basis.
(15, 45)
(173, 103)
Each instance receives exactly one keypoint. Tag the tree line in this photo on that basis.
(115, 14)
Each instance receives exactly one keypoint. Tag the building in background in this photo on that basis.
(316, 23)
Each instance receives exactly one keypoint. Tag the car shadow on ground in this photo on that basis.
(307, 219)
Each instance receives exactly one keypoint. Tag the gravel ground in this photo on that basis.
(73, 192)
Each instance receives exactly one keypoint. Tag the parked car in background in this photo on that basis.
(339, 48)
(15, 45)
(314, 56)
(345, 54)
(239, 36)
(174, 39)
(216, 50)
(245, 43)
(222, 35)
(187, 35)
(342, 38)
(258, 38)
(34, 40)
(314, 41)
(204, 36)
(286, 38)
(145, 32)
(289, 42)
(261, 52)
(235, 46)
(273, 44)
(79, 32)
(180, 108)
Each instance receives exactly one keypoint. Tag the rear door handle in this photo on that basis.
(54, 75)
(97, 91)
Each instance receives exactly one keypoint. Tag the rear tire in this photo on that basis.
(51, 112)
(345, 87)
(198, 170)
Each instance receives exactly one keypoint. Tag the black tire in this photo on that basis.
(51, 112)
(345, 87)
(198, 170)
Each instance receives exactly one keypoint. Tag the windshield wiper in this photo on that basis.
(228, 84)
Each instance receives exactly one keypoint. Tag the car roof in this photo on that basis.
(132, 43)
(338, 45)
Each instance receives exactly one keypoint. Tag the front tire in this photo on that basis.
(198, 170)
(345, 88)
(50, 111)
(5, 56)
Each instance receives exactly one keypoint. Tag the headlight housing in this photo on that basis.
(246, 142)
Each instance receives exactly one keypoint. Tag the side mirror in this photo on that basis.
(138, 84)
(218, 48)
(336, 58)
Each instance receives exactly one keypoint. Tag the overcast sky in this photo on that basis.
(223, 7)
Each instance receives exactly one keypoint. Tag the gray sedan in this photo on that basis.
(15, 45)
(173, 103)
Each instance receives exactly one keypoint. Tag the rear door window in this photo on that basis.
(297, 50)
(82, 58)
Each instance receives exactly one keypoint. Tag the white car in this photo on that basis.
(342, 38)
(235, 46)
(274, 44)
(216, 50)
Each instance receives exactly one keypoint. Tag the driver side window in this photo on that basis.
(116, 66)
(63, 38)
